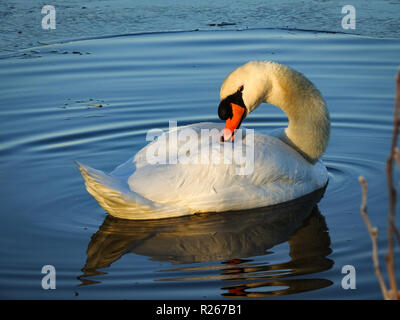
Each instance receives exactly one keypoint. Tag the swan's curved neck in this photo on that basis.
(277, 84)
(309, 125)
(308, 135)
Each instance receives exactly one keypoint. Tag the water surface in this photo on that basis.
(49, 119)
(21, 20)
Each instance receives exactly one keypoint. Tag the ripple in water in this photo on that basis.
(143, 82)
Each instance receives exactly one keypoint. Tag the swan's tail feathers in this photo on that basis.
(115, 196)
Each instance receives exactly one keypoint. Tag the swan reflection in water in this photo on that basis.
(229, 237)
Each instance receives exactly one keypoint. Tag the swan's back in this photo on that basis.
(139, 190)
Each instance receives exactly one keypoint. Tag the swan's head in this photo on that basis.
(233, 110)
(241, 92)
(255, 82)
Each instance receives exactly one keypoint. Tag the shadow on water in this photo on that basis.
(227, 237)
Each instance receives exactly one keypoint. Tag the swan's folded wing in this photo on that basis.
(114, 195)
(279, 174)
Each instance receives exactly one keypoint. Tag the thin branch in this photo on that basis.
(392, 293)
(396, 233)
(373, 233)
(396, 156)
(392, 191)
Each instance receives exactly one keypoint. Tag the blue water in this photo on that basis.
(143, 81)
(76, 19)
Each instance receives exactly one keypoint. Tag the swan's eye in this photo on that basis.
(225, 107)
(225, 110)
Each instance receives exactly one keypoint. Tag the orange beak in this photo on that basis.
(234, 123)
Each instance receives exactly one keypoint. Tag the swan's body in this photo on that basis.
(286, 164)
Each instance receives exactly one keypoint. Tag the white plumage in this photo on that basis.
(285, 166)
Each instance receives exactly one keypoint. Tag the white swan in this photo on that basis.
(286, 162)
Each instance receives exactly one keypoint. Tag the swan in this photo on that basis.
(286, 163)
